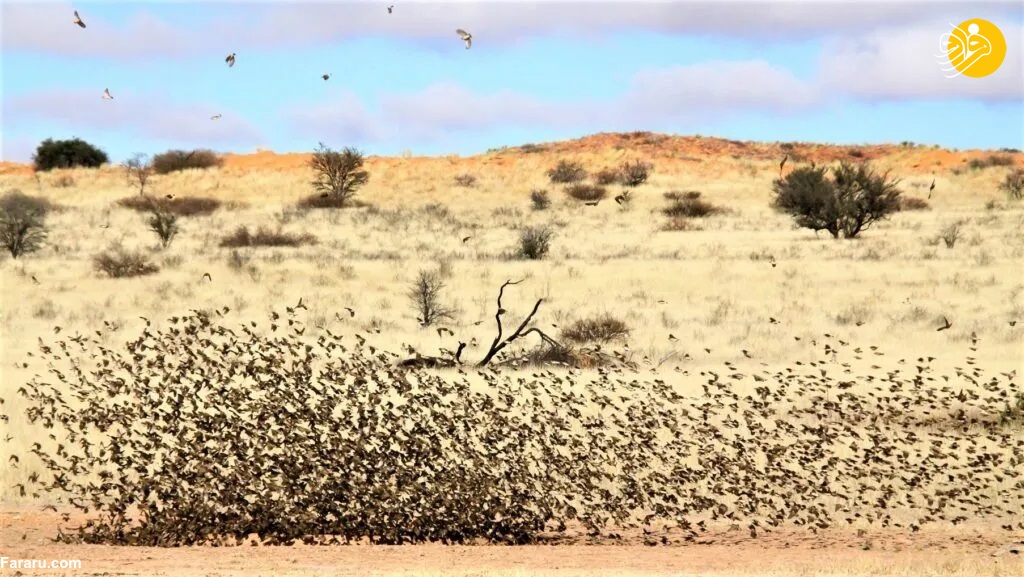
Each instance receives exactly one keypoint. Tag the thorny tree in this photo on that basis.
(338, 174)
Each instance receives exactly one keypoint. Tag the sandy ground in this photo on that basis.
(27, 534)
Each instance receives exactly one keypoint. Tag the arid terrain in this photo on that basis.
(741, 291)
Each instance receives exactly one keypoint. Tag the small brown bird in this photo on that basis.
(945, 326)
(783, 163)
(326, 77)
(169, 197)
(78, 20)
(207, 276)
(106, 94)
(466, 37)
(931, 188)
(746, 353)
(773, 320)
(351, 312)
(672, 337)
(1013, 323)
(594, 203)
(35, 280)
(466, 239)
(442, 330)
(230, 60)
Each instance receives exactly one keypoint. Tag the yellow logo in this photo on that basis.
(975, 48)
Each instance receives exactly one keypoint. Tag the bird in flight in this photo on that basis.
(783, 163)
(106, 94)
(230, 59)
(216, 116)
(931, 189)
(946, 324)
(326, 77)
(390, 8)
(466, 37)
(78, 20)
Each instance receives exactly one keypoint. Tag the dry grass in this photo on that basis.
(743, 280)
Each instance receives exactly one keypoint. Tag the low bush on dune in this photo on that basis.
(688, 204)
(51, 154)
(567, 172)
(23, 222)
(178, 205)
(177, 160)
(263, 236)
(121, 263)
(586, 192)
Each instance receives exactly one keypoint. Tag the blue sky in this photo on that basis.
(823, 71)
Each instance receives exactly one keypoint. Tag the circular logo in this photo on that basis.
(976, 48)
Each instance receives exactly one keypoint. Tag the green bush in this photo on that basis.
(51, 154)
(175, 160)
(845, 204)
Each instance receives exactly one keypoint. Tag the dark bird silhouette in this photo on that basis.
(326, 77)
(466, 37)
(783, 163)
(931, 188)
(773, 320)
(351, 312)
(620, 199)
(945, 326)
(78, 20)
(230, 60)
(207, 276)
(35, 280)
(672, 337)
(466, 239)
(746, 353)
(442, 330)
(593, 203)
(216, 116)
(169, 197)
(390, 8)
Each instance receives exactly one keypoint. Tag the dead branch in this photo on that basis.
(498, 344)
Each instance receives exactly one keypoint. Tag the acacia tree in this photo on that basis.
(139, 168)
(846, 204)
(338, 174)
(22, 222)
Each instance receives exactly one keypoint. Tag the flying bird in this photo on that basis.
(783, 163)
(78, 20)
(931, 188)
(946, 325)
(351, 312)
(466, 37)
(326, 77)
(466, 239)
(230, 59)
(106, 94)
(216, 116)
(207, 276)
(390, 8)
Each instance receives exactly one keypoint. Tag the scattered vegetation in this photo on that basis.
(51, 154)
(138, 169)
(951, 233)
(688, 205)
(425, 295)
(23, 222)
(535, 242)
(909, 203)
(339, 175)
(633, 174)
(989, 161)
(567, 172)
(539, 199)
(180, 205)
(606, 176)
(263, 236)
(586, 192)
(120, 263)
(177, 160)
(599, 329)
(1013, 184)
(163, 223)
(465, 180)
(846, 204)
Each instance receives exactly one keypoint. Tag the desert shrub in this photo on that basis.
(857, 153)
(846, 204)
(176, 160)
(425, 296)
(681, 224)
(180, 205)
(164, 224)
(339, 175)
(606, 176)
(634, 174)
(465, 180)
(990, 160)
(539, 199)
(23, 222)
(567, 172)
(908, 203)
(138, 169)
(51, 154)
(241, 237)
(535, 242)
(1013, 184)
(600, 329)
(951, 233)
(64, 181)
(687, 205)
(531, 148)
(586, 192)
(120, 263)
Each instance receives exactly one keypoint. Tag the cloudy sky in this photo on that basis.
(852, 71)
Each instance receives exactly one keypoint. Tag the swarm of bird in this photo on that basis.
(204, 433)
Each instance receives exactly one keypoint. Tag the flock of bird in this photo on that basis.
(466, 37)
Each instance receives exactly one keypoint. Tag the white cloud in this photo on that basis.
(144, 115)
(900, 63)
(46, 27)
(678, 95)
